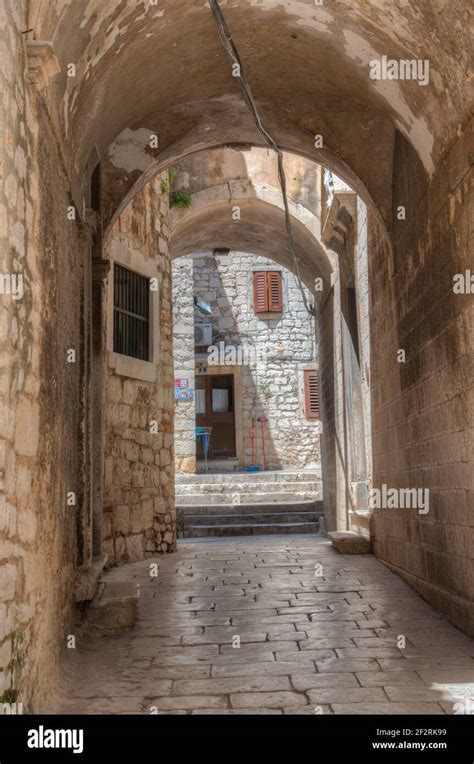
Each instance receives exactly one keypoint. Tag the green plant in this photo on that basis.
(172, 175)
(180, 199)
(9, 696)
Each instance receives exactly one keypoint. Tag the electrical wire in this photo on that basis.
(234, 57)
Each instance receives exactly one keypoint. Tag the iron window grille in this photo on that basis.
(131, 313)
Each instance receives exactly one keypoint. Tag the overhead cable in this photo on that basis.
(235, 59)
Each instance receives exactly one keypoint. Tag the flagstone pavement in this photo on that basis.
(276, 625)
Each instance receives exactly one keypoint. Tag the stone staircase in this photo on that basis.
(246, 504)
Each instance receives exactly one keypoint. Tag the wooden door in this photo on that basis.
(215, 408)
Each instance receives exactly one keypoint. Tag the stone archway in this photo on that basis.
(147, 88)
(94, 81)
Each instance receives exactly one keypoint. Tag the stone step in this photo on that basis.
(218, 465)
(194, 531)
(349, 542)
(87, 581)
(113, 609)
(199, 499)
(249, 519)
(268, 476)
(315, 507)
(224, 489)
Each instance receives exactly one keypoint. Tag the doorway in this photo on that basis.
(215, 408)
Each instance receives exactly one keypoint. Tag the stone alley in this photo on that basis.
(308, 644)
(236, 364)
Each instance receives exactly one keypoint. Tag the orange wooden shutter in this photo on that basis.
(311, 394)
(260, 292)
(275, 292)
(267, 292)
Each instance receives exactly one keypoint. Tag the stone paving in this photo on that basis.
(312, 639)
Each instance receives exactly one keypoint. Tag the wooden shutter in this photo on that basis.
(275, 292)
(311, 394)
(267, 292)
(260, 292)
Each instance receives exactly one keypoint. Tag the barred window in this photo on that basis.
(131, 313)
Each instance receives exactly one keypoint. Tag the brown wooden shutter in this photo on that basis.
(260, 292)
(267, 292)
(275, 292)
(311, 394)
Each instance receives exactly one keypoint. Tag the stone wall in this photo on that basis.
(46, 423)
(361, 276)
(423, 407)
(345, 360)
(44, 439)
(279, 349)
(333, 455)
(139, 514)
(184, 365)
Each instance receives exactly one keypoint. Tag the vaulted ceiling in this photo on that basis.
(144, 67)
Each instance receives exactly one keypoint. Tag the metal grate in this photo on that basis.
(131, 314)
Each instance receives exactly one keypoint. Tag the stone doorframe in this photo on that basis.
(236, 372)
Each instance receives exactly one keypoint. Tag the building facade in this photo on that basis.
(246, 365)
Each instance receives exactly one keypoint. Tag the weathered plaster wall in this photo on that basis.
(139, 514)
(423, 408)
(43, 445)
(278, 348)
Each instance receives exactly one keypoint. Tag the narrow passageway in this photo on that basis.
(318, 634)
(236, 346)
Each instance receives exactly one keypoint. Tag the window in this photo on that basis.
(131, 314)
(311, 394)
(267, 292)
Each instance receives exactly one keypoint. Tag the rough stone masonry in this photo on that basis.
(98, 99)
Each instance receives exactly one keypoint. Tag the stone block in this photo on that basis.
(27, 525)
(165, 457)
(5, 653)
(114, 608)
(23, 481)
(119, 548)
(147, 514)
(169, 537)
(349, 542)
(129, 391)
(114, 389)
(121, 520)
(8, 575)
(187, 465)
(136, 519)
(86, 581)
(8, 517)
(134, 548)
(27, 428)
